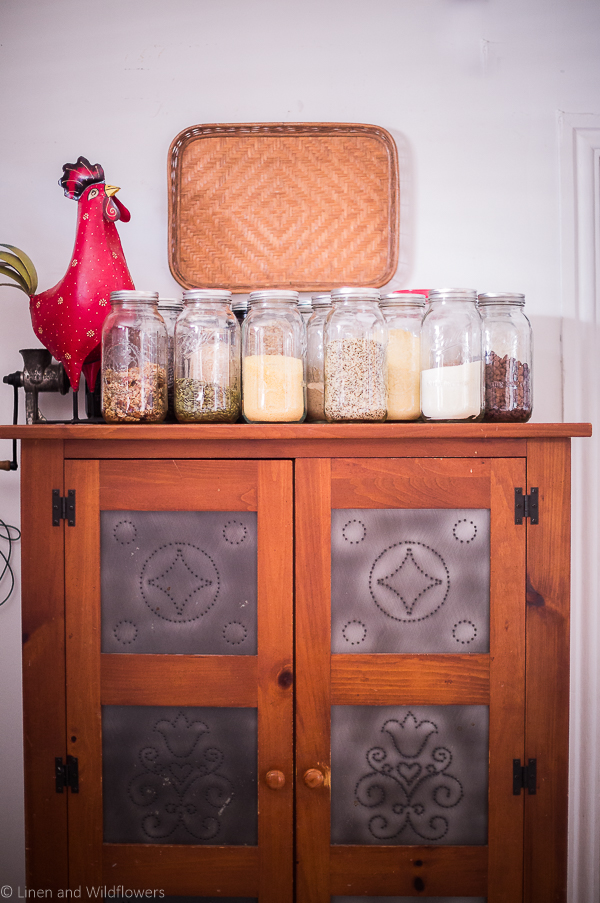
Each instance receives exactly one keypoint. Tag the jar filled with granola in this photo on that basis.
(507, 352)
(315, 358)
(134, 359)
(273, 358)
(207, 359)
(355, 341)
(169, 309)
(403, 313)
(451, 352)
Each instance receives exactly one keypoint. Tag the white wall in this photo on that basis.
(471, 89)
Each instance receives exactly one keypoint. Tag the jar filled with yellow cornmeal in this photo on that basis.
(273, 359)
(403, 313)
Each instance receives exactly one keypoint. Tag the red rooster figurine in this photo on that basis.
(68, 318)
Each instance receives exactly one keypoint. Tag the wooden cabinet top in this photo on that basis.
(295, 432)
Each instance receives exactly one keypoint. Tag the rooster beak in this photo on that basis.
(110, 190)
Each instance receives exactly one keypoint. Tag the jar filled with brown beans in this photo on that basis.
(507, 352)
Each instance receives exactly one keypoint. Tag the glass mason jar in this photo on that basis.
(240, 309)
(134, 359)
(169, 309)
(507, 354)
(451, 351)
(273, 359)
(305, 308)
(403, 314)
(207, 359)
(315, 358)
(355, 340)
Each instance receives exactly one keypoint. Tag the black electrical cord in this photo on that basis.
(5, 533)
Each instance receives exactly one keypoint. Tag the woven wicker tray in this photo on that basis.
(308, 206)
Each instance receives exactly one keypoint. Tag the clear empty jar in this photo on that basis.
(403, 314)
(507, 352)
(315, 358)
(355, 341)
(273, 358)
(451, 351)
(207, 359)
(305, 307)
(134, 359)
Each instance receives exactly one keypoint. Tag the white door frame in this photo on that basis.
(580, 270)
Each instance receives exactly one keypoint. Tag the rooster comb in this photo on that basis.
(77, 176)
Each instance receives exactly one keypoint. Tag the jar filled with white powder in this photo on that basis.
(451, 357)
(403, 313)
(273, 359)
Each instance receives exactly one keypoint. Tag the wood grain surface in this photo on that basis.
(43, 618)
(182, 870)
(275, 680)
(84, 728)
(414, 679)
(410, 483)
(410, 871)
(369, 431)
(224, 680)
(178, 485)
(547, 726)
(313, 701)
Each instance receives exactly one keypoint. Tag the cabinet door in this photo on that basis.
(179, 677)
(410, 659)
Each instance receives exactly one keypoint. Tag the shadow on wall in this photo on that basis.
(547, 369)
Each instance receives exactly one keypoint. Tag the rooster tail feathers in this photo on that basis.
(16, 265)
(77, 176)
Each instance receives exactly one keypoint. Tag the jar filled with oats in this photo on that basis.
(134, 359)
(403, 314)
(507, 352)
(315, 358)
(355, 340)
(207, 359)
(273, 359)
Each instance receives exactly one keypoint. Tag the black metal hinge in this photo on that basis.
(63, 508)
(66, 775)
(526, 505)
(524, 776)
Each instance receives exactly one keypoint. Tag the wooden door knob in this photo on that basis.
(275, 779)
(314, 778)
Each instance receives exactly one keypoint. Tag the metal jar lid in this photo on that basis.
(273, 294)
(321, 300)
(133, 295)
(207, 294)
(305, 303)
(170, 304)
(452, 294)
(350, 293)
(501, 298)
(399, 299)
(239, 304)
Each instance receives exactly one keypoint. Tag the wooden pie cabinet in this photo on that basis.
(322, 663)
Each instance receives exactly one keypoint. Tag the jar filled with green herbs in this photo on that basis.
(207, 359)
